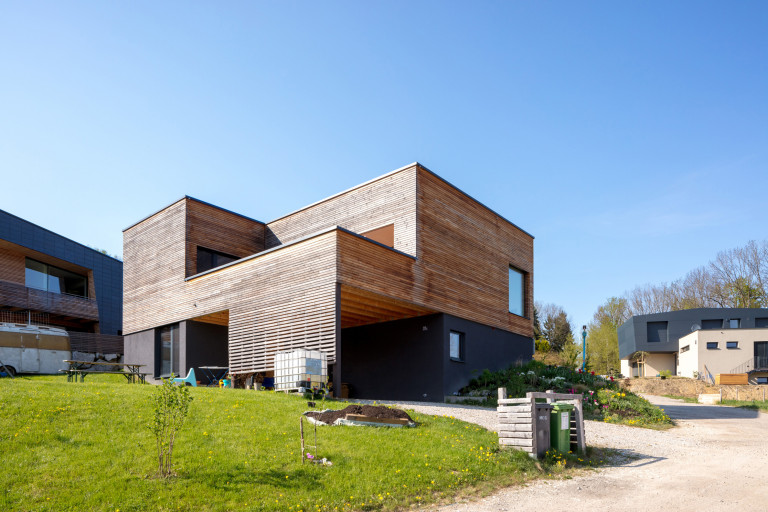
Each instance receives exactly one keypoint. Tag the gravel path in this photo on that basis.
(715, 460)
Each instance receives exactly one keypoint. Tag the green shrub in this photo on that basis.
(170, 404)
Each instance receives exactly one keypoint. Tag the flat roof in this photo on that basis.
(383, 176)
(58, 235)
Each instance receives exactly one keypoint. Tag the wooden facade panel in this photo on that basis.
(154, 269)
(288, 297)
(388, 200)
(465, 251)
(17, 295)
(213, 228)
(12, 266)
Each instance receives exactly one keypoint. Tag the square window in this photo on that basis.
(734, 323)
(712, 345)
(731, 344)
(457, 346)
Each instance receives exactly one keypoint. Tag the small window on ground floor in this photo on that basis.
(731, 344)
(712, 345)
(457, 346)
(762, 380)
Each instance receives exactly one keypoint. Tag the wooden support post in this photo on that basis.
(301, 431)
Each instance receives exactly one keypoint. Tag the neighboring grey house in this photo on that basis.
(658, 335)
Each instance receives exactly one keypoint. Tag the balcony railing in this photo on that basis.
(19, 296)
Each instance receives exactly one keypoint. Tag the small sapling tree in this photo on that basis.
(171, 405)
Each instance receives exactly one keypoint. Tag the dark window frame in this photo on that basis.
(738, 323)
(713, 345)
(217, 258)
(523, 291)
(732, 345)
(173, 361)
(64, 274)
(462, 345)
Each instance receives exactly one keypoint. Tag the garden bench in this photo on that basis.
(132, 372)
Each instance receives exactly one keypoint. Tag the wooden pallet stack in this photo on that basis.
(519, 423)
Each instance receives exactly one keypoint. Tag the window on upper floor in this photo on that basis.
(712, 345)
(384, 235)
(712, 324)
(49, 278)
(516, 291)
(761, 322)
(657, 332)
(685, 349)
(208, 259)
(731, 344)
(734, 323)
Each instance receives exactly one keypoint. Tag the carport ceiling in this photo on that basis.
(360, 307)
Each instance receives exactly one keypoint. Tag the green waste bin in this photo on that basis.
(560, 427)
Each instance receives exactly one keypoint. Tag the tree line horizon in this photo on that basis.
(735, 278)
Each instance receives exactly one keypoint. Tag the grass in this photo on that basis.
(625, 407)
(86, 446)
(687, 399)
(756, 405)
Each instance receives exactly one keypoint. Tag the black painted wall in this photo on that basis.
(410, 359)
(107, 271)
(633, 334)
(397, 360)
(484, 348)
(202, 344)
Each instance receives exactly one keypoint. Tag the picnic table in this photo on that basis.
(214, 373)
(132, 372)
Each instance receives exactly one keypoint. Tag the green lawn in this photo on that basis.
(86, 446)
(748, 404)
(687, 399)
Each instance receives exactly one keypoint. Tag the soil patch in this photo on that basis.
(372, 411)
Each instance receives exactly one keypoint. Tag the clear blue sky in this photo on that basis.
(631, 138)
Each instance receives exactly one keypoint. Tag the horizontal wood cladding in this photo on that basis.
(465, 251)
(280, 300)
(213, 228)
(389, 200)
(12, 266)
(96, 343)
(154, 269)
(362, 307)
(17, 295)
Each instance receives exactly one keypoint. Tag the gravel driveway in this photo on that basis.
(715, 460)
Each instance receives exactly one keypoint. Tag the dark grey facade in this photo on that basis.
(195, 344)
(107, 271)
(411, 360)
(660, 332)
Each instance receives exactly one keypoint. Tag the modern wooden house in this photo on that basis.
(408, 284)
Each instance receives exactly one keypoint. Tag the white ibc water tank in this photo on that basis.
(301, 369)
